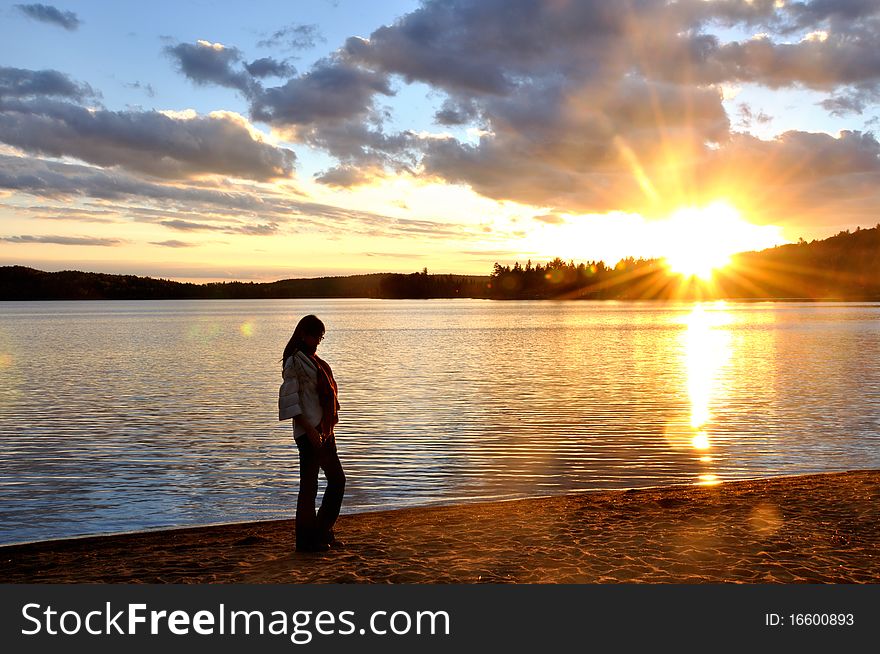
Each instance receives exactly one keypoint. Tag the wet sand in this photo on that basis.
(816, 528)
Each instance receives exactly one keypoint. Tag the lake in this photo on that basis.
(118, 416)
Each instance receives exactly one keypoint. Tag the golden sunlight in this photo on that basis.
(707, 351)
(700, 240)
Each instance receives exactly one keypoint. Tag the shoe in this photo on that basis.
(333, 542)
(313, 547)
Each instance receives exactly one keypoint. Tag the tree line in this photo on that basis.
(22, 283)
(845, 266)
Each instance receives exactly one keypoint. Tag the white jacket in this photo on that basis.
(298, 394)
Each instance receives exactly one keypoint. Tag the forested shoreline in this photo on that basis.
(21, 283)
(845, 266)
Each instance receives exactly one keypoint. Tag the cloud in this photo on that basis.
(393, 255)
(571, 106)
(21, 83)
(551, 219)
(149, 142)
(843, 58)
(187, 226)
(542, 82)
(748, 116)
(254, 210)
(269, 67)
(251, 230)
(426, 45)
(70, 214)
(427, 228)
(364, 150)
(64, 240)
(838, 13)
(344, 176)
(851, 101)
(330, 107)
(331, 92)
(256, 230)
(809, 178)
(52, 179)
(49, 14)
(146, 88)
(587, 149)
(173, 244)
(456, 113)
(293, 37)
(212, 63)
(586, 106)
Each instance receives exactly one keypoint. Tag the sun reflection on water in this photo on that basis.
(707, 350)
(700, 441)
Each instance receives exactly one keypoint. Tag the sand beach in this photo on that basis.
(822, 528)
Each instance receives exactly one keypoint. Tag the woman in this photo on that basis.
(309, 396)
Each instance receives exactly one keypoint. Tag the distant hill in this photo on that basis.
(21, 283)
(845, 266)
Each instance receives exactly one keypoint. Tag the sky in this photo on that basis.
(202, 141)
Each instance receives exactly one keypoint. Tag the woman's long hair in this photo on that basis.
(308, 325)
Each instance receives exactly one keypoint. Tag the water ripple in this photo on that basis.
(128, 415)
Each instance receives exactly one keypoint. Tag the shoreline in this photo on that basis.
(814, 528)
(434, 505)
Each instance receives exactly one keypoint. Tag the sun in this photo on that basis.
(697, 263)
(697, 241)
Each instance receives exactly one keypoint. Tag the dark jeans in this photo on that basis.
(311, 528)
